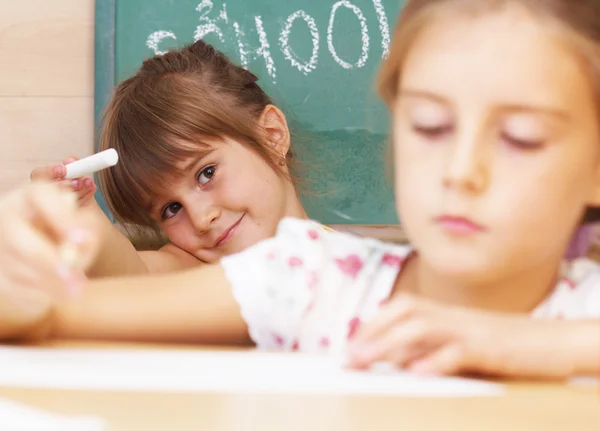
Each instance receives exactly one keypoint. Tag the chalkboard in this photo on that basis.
(316, 58)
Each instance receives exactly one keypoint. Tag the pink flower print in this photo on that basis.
(392, 260)
(568, 282)
(324, 342)
(350, 265)
(272, 255)
(313, 280)
(294, 262)
(311, 284)
(279, 340)
(313, 234)
(295, 346)
(353, 326)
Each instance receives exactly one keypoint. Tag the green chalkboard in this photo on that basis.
(318, 60)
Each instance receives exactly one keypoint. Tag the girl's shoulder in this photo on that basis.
(308, 278)
(315, 234)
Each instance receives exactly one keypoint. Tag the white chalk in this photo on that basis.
(91, 164)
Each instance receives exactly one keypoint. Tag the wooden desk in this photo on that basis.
(526, 406)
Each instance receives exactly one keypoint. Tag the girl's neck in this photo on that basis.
(294, 207)
(519, 293)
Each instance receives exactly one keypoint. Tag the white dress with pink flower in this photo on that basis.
(309, 288)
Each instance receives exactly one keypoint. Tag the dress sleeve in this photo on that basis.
(576, 294)
(272, 282)
(298, 289)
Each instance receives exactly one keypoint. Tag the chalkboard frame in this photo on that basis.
(104, 78)
(104, 54)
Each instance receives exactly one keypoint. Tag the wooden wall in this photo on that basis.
(46, 84)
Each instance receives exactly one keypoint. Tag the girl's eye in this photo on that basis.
(205, 175)
(170, 210)
(525, 144)
(523, 131)
(432, 132)
(430, 120)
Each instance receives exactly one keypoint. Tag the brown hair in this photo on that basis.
(577, 20)
(171, 109)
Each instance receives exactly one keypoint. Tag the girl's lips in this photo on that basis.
(226, 236)
(459, 225)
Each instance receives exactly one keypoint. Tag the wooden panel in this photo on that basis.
(46, 84)
(47, 48)
(37, 131)
(46, 10)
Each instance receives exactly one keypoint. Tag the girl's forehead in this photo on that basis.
(506, 55)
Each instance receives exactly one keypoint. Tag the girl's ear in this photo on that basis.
(274, 123)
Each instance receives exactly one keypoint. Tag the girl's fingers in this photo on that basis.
(89, 184)
(48, 173)
(87, 193)
(75, 230)
(77, 184)
(89, 242)
(53, 210)
(51, 172)
(83, 187)
(390, 314)
(71, 185)
(449, 359)
(56, 233)
(33, 259)
(400, 344)
(21, 273)
(85, 196)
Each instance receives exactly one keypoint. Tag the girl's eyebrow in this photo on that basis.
(422, 94)
(152, 206)
(500, 107)
(536, 109)
(197, 159)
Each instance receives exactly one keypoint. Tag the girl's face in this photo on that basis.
(496, 145)
(223, 202)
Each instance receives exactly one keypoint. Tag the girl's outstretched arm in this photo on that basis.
(194, 306)
(118, 256)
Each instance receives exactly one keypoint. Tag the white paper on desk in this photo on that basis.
(215, 371)
(584, 381)
(18, 417)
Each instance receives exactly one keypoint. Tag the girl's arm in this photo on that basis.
(580, 340)
(119, 257)
(457, 340)
(47, 238)
(193, 306)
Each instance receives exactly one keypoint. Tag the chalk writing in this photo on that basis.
(284, 43)
(230, 31)
(363, 30)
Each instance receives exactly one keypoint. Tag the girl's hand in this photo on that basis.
(426, 337)
(83, 187)
(46, 241)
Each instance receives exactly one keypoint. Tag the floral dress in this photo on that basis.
(309, 288)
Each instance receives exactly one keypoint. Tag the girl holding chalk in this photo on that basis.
(495, 166)
(205, 159)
